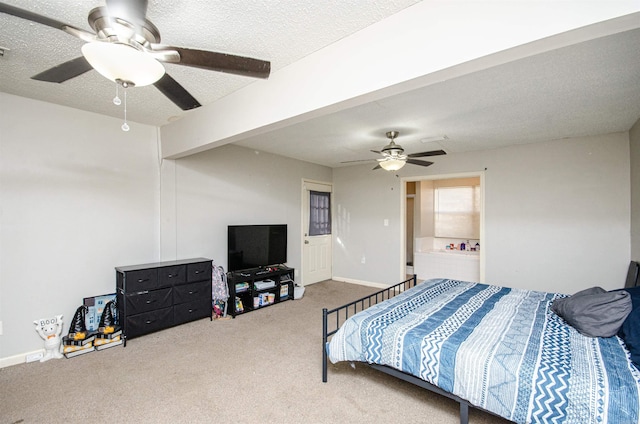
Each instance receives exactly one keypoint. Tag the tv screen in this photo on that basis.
(255, 246)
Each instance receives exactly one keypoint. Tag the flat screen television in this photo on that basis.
(256, 246)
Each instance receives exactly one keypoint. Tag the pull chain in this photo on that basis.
(116, 100)
(125, 126)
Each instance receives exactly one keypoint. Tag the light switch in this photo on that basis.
(386, 222)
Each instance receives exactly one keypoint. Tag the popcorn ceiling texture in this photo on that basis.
(279, 31)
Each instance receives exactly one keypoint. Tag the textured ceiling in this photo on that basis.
(587, 88)
(279, 31)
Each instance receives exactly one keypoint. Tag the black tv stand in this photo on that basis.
(256, 288)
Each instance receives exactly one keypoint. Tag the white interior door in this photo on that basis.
(316, 249)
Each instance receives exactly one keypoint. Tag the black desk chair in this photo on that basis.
(633, 276)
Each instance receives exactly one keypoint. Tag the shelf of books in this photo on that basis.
(254, 289)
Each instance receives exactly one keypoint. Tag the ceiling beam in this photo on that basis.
(428, 42)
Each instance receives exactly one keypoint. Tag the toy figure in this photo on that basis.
(50, 329)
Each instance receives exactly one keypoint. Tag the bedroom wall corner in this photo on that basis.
(168, 210)
(634, 147)
(236, 185)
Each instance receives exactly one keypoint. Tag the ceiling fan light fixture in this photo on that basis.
(392, 164)
(122, 62)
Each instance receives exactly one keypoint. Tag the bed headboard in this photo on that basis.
(633, 276)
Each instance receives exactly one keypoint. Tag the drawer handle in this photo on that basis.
(150, 301)
(198, 272)
(192, 310)
(149, 321)
(170, 275)
(193, 291)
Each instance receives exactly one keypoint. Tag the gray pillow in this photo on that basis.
(594, 312)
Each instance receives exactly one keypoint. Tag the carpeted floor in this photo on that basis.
(262, 367)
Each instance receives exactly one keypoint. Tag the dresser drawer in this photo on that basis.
(159, 295)
(192, 291)
(190, 311)
(148, 301)
(141, 280)
(149, 322)
(199, 271)
(171, 275)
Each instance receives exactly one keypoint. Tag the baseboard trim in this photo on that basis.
(17, 359)
(360, 282)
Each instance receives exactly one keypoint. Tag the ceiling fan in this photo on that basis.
(126, 48)
(393, 157)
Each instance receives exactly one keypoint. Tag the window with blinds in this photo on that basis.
(457, 212)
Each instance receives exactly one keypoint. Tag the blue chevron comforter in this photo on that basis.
(501, 349)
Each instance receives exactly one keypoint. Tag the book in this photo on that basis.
(264, 285)
(70, 340)
(78, 352)
(284, 291)
(71, 351)
(109, 344)
(95, 307)
(74, 348)
(109, 336)
(239, 306)
(242, 287)
(100, 342)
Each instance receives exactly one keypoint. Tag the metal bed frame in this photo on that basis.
(332, 320)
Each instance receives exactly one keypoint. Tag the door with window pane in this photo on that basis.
(317, 240)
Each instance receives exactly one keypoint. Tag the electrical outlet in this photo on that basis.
(1, 330)
(363, 260)
(35, 357)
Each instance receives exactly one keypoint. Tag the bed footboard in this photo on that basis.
(332, 319)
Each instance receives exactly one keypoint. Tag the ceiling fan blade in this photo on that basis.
(361, 160)
(429, 153)
(65, 71)
(176, 93)
(376, 151)
(221, 62)
(419, 162)
(44, 20)
(377, 167)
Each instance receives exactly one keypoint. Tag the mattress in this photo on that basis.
(501, 349)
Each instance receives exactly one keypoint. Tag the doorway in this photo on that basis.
(409, 232)
(316, 232)
(444, 226)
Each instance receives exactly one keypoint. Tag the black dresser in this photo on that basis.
(159, 295)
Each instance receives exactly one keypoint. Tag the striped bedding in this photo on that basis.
(501, 349)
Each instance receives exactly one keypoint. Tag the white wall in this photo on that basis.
(556, 214)
(234, 185)
(362, 200)
(79, 196)
(634, 141)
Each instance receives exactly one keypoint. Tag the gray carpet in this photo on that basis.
(262, 367)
